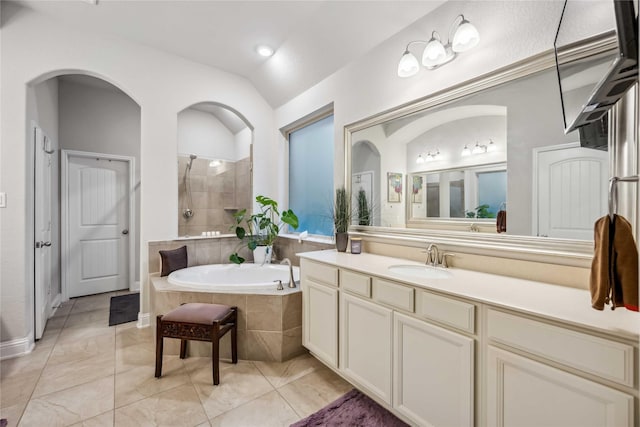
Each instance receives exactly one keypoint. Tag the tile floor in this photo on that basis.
(85, 373)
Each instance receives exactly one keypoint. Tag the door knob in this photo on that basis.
(125, 231)
(47, 244)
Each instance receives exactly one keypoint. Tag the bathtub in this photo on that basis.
(233, 278)
(270, 321)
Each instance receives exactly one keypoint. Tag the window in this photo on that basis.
(311, 176)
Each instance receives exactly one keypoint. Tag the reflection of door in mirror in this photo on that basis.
(571, 190)
(214, 174)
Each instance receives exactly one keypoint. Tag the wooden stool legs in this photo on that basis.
(188, 330)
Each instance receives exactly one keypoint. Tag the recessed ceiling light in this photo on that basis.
(264, 50)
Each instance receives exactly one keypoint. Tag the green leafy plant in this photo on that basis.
(481, 211)
(364, 210)
(341, 212)
(262, 228)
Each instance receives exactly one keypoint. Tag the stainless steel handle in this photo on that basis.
(42, 244)
(125, 231)
(47, 244)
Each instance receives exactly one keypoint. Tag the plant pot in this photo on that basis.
(342, 240)
(262, 254)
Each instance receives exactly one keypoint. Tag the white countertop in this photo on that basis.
(569, 305)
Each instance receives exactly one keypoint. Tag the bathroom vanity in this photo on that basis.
(462, 348)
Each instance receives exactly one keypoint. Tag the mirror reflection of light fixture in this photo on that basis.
(214, 163)
(429, 157)
(436, 53)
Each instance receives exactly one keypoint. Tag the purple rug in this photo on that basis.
(352, 409)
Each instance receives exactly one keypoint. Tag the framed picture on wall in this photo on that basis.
(416, 189)
(394, 187)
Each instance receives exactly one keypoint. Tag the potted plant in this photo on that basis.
(341, 219)
(364, 210)
(260, 230)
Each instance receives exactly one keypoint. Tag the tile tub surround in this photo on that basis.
(269, 325)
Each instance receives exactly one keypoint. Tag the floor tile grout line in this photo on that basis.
(44, 365)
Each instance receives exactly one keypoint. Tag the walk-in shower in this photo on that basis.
(188, 210)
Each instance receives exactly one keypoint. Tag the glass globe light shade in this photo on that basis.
(466, 37)
(466, 151)
(420, 159)
(408, 65)
(434, 53)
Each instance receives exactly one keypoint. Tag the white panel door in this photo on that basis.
(98, 212)
(320, 330)
(433, 374)
(572, 191)
(365, 344)
(43, 271)
(525, 393)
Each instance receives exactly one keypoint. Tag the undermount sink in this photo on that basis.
(420, 271)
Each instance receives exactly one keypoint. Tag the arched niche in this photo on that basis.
(214, 167)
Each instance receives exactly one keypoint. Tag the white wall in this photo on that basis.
(510, 31)
(202, 134)
(103, 121)
(34, 48)
(243, 141)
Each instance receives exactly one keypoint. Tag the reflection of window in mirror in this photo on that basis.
(492, 191)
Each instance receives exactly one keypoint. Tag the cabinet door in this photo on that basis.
(523, 393)
(433, 373)
(320, 321)
(365, 344)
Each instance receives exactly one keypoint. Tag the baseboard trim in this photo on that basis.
(15, 348)
(144, 320)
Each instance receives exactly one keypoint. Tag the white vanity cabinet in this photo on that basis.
(522, 392)
(320, 310)
(454, 355)
(525, 390)
(433, 371)
(365, 344)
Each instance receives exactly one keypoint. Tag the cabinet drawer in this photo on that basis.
(446, 310)
(359, 284)
(594, 355)
(319, 272)
(393, 294)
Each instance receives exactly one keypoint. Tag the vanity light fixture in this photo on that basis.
(491, 147)
(479, 149)
(264, 50)
(465, 151)
(436, 53)
(429, 157)
(433, 156)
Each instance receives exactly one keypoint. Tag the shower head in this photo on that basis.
(192, 157)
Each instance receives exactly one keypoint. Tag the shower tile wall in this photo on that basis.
(217, 192)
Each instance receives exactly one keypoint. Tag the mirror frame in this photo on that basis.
(454, 234)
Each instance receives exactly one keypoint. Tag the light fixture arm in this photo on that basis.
(454, 26)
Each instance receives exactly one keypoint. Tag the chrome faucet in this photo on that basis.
(292, 282)
(433, 255)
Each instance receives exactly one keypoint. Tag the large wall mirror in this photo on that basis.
(493, 144)
(214, 168)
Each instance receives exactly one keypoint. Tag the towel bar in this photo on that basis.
(613, 191)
